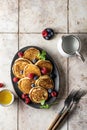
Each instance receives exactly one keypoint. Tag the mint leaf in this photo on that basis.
(46, 106)
(42, 102)
(42, 55)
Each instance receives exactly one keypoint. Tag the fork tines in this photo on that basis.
(78, 95)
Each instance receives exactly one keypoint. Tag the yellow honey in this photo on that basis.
(5, 97)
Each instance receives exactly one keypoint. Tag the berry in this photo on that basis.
(31, 75)
(49, 95)
(21, 71)
(53, 76)
(34, 61)
(49, 30)
(47, 38)
(20, 54)
(52, 33)
(36, 77)
(49, 90)
(15, 79)
(44, 70)
(44, 33)
(48, 33)
(32, 85)
(23, 96)
(1, 85)
(27, 100)
(54, 94)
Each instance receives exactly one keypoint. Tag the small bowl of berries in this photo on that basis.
(48, 33)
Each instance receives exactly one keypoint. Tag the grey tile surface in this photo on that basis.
(77, 69)
(38, 119)
(8, 47)
(78, 15)
(37, 15)
(8, 15)
(78, 120)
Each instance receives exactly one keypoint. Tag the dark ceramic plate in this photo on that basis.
(54, 72)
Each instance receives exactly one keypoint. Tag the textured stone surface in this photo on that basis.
(8, 114)
(37, 15)
(38, 119)
(78, 16)
(77, 69)
(8, 15)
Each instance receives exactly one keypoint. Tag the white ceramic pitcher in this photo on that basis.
(70, 46)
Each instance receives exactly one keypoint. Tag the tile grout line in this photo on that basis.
(40, 33)
(67, 58)
(68, 16)
(18, 49)
(18, 22)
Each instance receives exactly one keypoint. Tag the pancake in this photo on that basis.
(24, 85)
(37, 94)
(31, 54)
(45, 63)
(45, 82)
(30, 68)
(18, 67)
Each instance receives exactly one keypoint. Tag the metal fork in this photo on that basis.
(66, 105)
(77, 96)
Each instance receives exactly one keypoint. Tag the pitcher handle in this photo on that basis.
(80, 56)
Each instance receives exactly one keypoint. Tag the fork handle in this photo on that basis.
(55, 120)
(60, 119)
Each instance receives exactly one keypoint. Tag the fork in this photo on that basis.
(77, 97)
(75, 100)
(66, 105)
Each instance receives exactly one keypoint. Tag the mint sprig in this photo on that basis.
(42, 55)
(45, 105)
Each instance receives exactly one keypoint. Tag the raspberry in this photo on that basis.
(1, 85)
(15, 79)
(44, 33)
(27, 100)
(20, 54)
(44, 70)
(24, 96)
(54, 94)
(31, 75)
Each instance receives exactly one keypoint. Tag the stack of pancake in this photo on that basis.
(38, 86)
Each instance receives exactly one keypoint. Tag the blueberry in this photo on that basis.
(52, 33)
(49, 35)
(34, 61)
(53, 76)
(49, 90)
(21, 71)
(47, 38)
(49, 30)
(49, 95)
(32, 85)
(36, 77)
